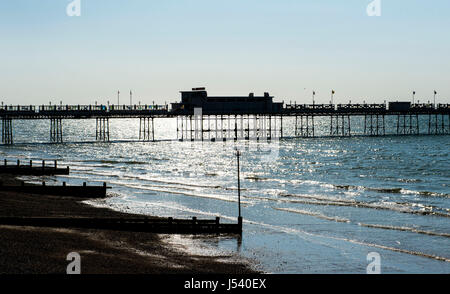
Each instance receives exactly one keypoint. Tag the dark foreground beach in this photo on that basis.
(32, 250)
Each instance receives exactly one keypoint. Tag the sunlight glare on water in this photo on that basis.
(320, 206)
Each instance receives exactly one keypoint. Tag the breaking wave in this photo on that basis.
(345, 220)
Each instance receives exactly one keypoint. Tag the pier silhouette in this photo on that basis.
(200, 117)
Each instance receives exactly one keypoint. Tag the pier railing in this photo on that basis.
(362, 108)
(81, 111)
(88, 111)
(100, 107)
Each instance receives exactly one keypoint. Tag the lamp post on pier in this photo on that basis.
(434, 98)
(131, 98)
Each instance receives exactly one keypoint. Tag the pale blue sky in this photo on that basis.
(285, 47)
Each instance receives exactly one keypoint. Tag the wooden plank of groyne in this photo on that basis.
(64, 190)
(36, 170)
(162, 226)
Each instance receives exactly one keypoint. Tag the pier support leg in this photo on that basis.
(235, 128)
(306, 128)
(448, 126)
(281, 126)
(198, 124)
(7, 132)
(177, 130)
(407, 124)
(374, 125)
(147, 130)
(102, 129)
(296, 131)
(429, 124)
(56, 130)
(217, 128)
(443, 131)
(191, 129)
(341, 128)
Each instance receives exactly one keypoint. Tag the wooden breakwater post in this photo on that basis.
(83, 191)
(160, 226)
(21, 169)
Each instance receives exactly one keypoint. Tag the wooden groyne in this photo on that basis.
(33, 169)
(83, 191)
(161, 226)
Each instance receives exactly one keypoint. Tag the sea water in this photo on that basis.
(310, 205)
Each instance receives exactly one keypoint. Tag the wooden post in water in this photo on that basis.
(239, 190)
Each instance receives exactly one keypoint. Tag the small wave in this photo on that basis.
(345, 220)
(317, 197)
(211, 174)
(391, 190)
(164, 181)
(346, 187)
(409, 180)
(312, 183)
(406, 229)
(425, 193)
(144, 186)
(256, 178)
(416, 253)
(298, 232)
(215, 197)
(357, 204)
(103, 174)
(380, 190)
(131, 162)
(315, 214)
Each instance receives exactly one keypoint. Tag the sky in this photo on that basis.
(288, 48)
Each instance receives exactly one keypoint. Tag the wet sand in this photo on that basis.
(32, 250)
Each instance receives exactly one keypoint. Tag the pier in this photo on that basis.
(203, 118)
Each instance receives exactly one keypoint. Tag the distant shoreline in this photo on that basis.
(32, 250)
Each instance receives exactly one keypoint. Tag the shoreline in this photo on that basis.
(32, 250)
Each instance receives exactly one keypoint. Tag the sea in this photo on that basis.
(327, 205)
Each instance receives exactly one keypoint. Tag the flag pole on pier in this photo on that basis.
(118, 98)
(314, 94)
(332, 95)
(414, 94)
(434, 98)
